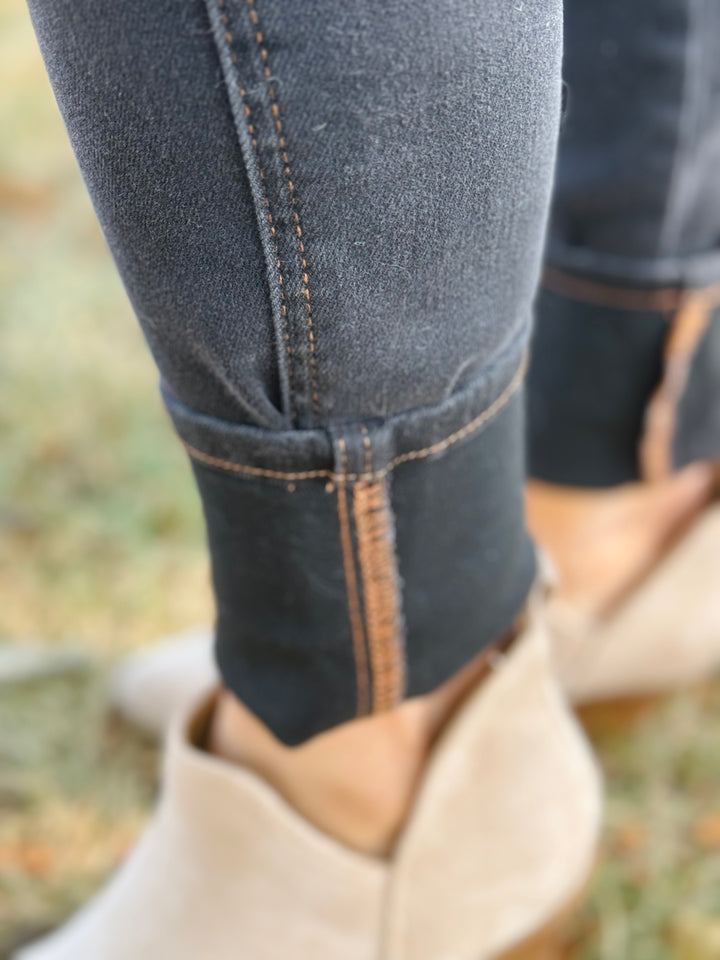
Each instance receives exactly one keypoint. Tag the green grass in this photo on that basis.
(101, 548)
(101, 544)
(656, 895)
(74, 790)
(100, 534)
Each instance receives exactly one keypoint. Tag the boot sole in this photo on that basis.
(609, 718)
(621, 715)
(552, 941)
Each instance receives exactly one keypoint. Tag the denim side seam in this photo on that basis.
(292, 194)
(374, 595)
(357, 626)
(243, 49)
(378, 564)
(250, 154)
(685, 338)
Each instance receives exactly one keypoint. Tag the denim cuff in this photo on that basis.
(367, 562)
(623, 383)
(647, 273)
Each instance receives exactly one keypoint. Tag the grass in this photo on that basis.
(101, 549)
(101, 543)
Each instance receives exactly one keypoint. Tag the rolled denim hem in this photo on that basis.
(698, 270)
(368, 562)
(293, 455)
(599, 360)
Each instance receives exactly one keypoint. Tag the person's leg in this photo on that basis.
(625, 380)
(329, 221)
(329, 218)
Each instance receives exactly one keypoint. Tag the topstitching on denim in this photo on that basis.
(333, 476)
(381, 598)
(248, 139)
(274, 225)
(357, 626)
(292, 193)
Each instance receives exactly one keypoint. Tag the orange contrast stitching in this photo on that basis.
(687, 329)
(439, 447)
(376, 555)
(368, 448)
(258, 471)
(282, 147)
(479, 421)
(281, 281)
(356, 624)
(620, 298)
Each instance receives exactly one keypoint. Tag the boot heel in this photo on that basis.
(547, 945)
(610, 718)
(623, 715)
(551, 942)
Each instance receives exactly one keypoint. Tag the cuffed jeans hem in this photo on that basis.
(377, 562)
(598, 358)
(293, 455)
(698, 270)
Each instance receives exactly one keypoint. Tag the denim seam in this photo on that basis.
(687, 328)
(357, 627)
(224, 40)
(266, 203)
(480, 420)
(367, 444)
(292, 193)
(381, 593)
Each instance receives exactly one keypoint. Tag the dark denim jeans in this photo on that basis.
(630, 304)
(329, 218)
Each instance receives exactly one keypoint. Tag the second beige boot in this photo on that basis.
(664, 636)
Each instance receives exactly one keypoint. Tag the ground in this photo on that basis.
(101, 550)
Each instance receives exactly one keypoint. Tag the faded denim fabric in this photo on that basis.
(329, 218)
(636, 208)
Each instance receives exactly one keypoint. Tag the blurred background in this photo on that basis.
(101, 551)
(101, 546)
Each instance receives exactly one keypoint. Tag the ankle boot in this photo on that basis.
(663, 636)
(498, 847)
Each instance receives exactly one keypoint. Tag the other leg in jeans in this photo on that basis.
(625, 382)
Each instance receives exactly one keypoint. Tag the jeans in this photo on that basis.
(629, 310)
(330, 219)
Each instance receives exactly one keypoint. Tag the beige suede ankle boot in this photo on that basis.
(498, 846)
(665, 635)
(155, 684)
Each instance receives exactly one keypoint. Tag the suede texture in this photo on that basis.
(502, 836)
(664, 636)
